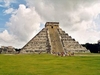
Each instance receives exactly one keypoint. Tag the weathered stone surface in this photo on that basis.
(6, 50)
(52, 39)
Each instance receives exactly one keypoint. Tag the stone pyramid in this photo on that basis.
(52, 39)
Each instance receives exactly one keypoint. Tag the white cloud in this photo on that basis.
(7, 3)
(75, 16)
(9, 11)
(6, 38)
(24, 22)
(22, 26)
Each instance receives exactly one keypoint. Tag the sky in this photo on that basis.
(21, 20)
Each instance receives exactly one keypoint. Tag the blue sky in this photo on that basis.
(5, 17)
(20, 20)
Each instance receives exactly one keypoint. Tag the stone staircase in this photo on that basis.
(56, 45)
(52, 39)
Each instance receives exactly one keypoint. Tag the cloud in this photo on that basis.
(24, 22)
(6, 3)
(22, 26)
(5, 38)
(79, 18)
(9, 11)
(75, 16)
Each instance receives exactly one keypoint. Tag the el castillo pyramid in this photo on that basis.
(53, 39)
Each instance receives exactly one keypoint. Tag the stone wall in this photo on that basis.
(52, 39)
(7, 50)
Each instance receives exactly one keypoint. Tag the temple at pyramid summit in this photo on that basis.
(52, 39)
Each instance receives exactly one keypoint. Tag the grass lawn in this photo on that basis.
(46, 64)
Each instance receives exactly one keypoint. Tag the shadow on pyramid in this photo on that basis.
(53, 39)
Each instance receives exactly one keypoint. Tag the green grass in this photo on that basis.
(46, 64)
